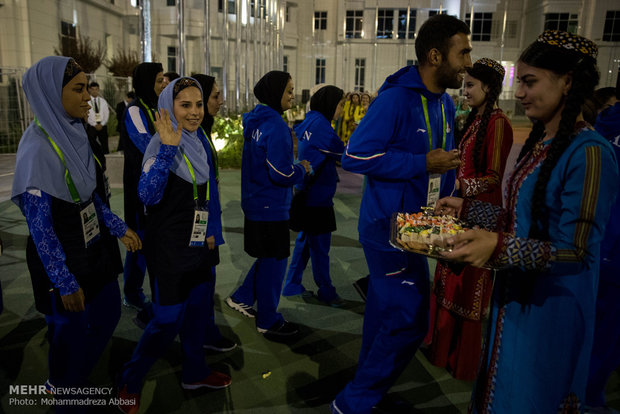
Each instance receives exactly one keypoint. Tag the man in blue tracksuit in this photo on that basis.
(606, 347)
(404, 145)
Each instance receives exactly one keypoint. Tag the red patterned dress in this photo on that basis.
(460, 297)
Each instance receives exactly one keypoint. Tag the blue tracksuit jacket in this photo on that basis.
(268, 172)
(390, 146)
(319, 144)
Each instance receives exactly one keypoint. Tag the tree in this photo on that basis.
(123, 62)
(81, 49)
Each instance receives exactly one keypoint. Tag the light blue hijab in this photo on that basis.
(190, 143)
(38, 165)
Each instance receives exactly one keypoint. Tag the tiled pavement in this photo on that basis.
(304, 375)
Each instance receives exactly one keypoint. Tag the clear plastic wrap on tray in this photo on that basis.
(424, 233)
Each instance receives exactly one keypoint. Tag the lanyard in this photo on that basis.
(68, 179)
(214, 153)
(191, 172)
(148, 111)
(98, 162)
(428, 123)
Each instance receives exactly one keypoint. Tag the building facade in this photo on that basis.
(354, 44)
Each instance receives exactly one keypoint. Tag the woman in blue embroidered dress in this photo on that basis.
(69, 259)
(546, 243)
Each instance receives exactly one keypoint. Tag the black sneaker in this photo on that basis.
(222, 345)
(244, 309)
(282, 328)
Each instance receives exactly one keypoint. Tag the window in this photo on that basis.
(402, 24)
(561, 21)
(220, 6)
(435, 12)
(411, 62)
(67, 36)
(353, 27)
(319, 72)
(171, 3)
(172, 59)
(285, 63)
(360, 74)
(481, 30)
(320, 20)
(385, 24)
(287, 14)
(611, 32)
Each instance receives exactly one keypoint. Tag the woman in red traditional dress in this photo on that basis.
(460, 296)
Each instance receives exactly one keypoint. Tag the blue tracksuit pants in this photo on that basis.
(395, 323)
(316, 248)
(263, 285)
(606, 346)
(187, 319)
(212, 334)
(77, 339)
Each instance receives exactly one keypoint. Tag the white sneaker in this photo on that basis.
(244, 309)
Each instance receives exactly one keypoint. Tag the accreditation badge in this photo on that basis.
(90, 224)
(199, 229)
(434, 184)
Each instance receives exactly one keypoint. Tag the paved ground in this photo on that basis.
(303, 376)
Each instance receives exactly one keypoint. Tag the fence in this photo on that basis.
(16, 115)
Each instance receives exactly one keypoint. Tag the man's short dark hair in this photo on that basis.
(131, 95)
(435, 33)
(93, 84)
(172, 75)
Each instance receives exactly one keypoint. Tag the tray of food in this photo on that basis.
(424, 233)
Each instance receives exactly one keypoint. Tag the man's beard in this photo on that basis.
(448, 77)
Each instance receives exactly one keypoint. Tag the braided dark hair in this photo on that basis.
(493, 81)
(585, 77)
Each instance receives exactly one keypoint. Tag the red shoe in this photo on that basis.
(127, 402)
(215, 380)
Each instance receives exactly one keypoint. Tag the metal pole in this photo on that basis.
(501, 50)
(374, 57)
(225, 59)
(255, 51)
(206, 34)
(247, 54)
(145, 30)
(406, 42)
(237, 54)
(181, 37)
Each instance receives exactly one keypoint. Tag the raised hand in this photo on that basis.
(166, 131)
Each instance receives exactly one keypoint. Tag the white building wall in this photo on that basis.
(29, 31)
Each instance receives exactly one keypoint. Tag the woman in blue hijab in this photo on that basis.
(183, 225)
(70, 263)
